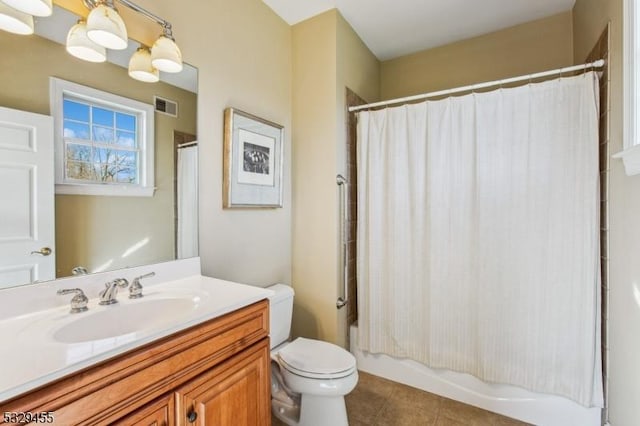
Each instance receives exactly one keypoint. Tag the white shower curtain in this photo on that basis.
(478, 223)
(187, 202)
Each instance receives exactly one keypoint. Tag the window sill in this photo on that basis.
(631, 159)
(105, 190)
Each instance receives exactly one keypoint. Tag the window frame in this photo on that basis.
(630, 155)
(145, 132)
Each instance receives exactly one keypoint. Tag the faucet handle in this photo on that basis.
(121, 282)
(108, 295)
(78, 302)
(135, 290)
(118, 282)
(79, 270)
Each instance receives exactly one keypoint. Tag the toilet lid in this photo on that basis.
(316, 357)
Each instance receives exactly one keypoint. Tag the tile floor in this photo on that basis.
(379, 402)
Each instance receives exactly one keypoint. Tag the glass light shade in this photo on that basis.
(14, 21)
(165, 55)
(79, 45)
(140, 66)
(32, 7)
(106, 28)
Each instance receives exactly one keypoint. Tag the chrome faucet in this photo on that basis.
(79, 270)
(135, 290)
(108, 295)
(78, 302)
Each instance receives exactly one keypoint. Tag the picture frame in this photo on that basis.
(252, 161)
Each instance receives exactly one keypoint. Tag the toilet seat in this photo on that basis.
(316, 359)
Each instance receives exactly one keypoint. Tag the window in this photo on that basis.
(104, 142)
(631, 153)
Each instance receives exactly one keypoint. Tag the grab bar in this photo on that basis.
(343, 186)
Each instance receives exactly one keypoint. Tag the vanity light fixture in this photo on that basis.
(140, 67)
(165, 53)
(32, 7)
(14, 21)
(80, 46)
(105, 27)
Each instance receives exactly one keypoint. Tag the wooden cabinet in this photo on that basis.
(216, 372)
(233, 394)
(160, 412)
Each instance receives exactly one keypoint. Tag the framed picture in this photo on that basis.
(253, 160)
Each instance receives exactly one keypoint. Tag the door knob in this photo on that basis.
(44, 251)
(192, 416)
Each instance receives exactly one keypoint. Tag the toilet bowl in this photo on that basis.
(309, 378)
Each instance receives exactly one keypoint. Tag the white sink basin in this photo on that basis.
(119, 320)
(73, 342)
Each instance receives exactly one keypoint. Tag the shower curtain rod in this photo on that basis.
(187, 144)
(596, 64)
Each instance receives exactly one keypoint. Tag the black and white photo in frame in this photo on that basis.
(253, 156)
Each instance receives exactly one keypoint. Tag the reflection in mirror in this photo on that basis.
(94, 233)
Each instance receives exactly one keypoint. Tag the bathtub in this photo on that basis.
(511, 401)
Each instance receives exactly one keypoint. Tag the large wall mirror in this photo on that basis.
(97, 233)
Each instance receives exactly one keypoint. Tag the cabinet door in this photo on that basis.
(235, 393)
(160, 412)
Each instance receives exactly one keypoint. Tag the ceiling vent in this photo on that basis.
(165, 106)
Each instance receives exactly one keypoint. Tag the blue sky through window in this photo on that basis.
(102, 117)
(76, 111)
(125, 122)
(90, 129)
(107, 126)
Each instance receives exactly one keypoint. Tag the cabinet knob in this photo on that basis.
(192, 416)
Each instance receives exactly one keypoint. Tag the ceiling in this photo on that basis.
(392, 28)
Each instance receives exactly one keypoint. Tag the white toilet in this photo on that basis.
(309, 378)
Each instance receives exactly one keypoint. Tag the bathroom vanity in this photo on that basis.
(202, 358)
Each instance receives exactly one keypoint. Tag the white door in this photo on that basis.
(26, 198)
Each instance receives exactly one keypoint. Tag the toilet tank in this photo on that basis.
(281, 311)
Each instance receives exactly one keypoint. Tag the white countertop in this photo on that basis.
(31, 356)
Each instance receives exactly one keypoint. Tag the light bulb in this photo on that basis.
(14, 21)
(32, 7)
(106, 28)
(80, 46)
(140, 66)
(166, 56)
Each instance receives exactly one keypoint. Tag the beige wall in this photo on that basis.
(531, 47)
(590, 19)
(357, 67)
(96, 231)
(327, 57)
(242, 50)
(314, 222)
